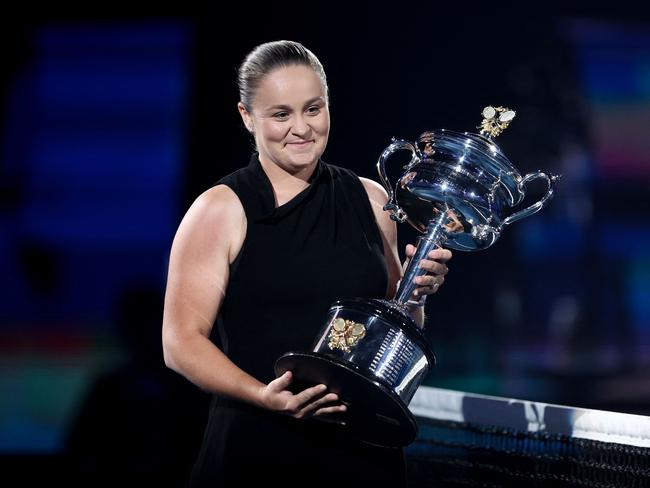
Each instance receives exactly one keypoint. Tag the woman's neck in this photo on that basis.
(287, 185)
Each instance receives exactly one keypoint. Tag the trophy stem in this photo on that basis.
(432, 238)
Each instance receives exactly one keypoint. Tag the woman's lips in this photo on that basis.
(299, 143)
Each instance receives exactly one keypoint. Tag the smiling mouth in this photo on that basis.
(299, 143)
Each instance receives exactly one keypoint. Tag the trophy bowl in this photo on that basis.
(466, 176)
(458, 190)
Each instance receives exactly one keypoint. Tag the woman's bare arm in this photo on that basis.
(208, 239)
(206, 243)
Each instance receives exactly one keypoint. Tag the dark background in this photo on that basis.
(113, 124)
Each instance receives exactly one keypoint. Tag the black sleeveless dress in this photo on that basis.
(296, 260)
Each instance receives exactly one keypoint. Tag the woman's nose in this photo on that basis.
(300, 126)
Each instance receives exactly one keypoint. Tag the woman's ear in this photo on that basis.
(246, 117)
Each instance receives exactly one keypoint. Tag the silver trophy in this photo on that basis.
(458, 190)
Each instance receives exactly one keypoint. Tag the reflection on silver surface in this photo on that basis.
(386, 351)
(409, 385)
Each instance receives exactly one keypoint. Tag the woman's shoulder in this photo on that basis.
(218, 203)
(223, 196)
(375, 190)
(215, 220)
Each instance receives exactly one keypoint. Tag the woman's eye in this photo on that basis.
(313, 110)
(281, 115)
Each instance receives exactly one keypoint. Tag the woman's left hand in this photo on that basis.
(436, 268)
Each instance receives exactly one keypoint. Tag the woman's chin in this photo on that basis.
(303, 159)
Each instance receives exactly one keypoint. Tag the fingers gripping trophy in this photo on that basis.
(458, 191)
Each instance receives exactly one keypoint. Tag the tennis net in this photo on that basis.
(467, 439)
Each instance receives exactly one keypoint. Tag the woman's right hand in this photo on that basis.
(312, 402)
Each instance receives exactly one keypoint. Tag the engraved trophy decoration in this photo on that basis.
(458, 190)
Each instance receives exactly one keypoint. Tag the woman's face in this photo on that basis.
(289, 118)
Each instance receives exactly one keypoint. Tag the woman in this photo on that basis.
(256, 263)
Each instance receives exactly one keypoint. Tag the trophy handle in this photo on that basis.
(537, 206)
(396, 213)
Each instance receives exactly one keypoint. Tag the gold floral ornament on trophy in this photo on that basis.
(345, 334)
(495, 120)
(459, 191)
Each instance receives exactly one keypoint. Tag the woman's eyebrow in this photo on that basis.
(287, 107)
